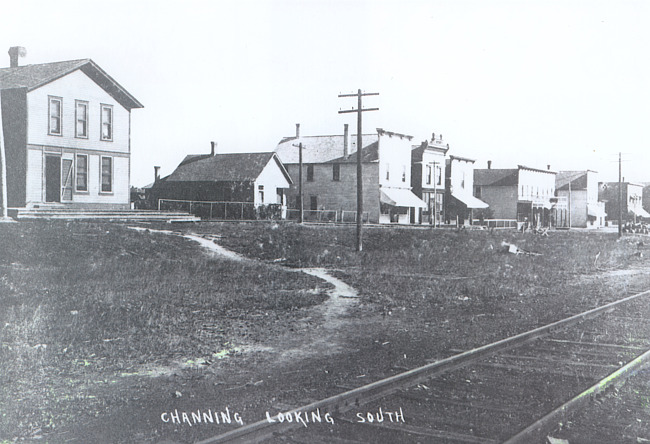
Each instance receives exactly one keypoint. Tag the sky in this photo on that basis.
(534, 83)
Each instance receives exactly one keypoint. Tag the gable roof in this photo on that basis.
(496, 177)
(319, 149)
(369, 153)
(227, 167)
(32, 77)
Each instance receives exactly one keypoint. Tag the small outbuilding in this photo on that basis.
(256, 181)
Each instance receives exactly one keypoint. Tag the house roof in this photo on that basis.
(32, 77)
(319, 149)
(577, 179)
(496, 177)
(224, 167)
(369, 153)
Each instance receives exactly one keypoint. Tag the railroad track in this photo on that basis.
(515, 390)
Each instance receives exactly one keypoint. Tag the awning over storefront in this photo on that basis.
(469, 200)
(595, 211)
(401, 197)
(640, 212)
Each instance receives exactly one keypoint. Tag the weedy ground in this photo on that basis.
(85, 305)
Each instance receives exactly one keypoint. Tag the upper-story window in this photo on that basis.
(438, 175)
(310, 173)
(107, 122)
(81, 117)
(403, 173)
(55, 109)
(462, 182)
(428, 175)
(387, 171)
(336, 172)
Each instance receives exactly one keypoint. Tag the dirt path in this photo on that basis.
(323, 330)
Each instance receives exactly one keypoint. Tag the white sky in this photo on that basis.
(565, 83)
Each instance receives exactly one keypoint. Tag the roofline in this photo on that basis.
(382, 131)
(465, 159)
(82, 63)
(522, 167)
(117, 85)
(282, 168)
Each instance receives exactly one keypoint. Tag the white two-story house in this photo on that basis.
(66, 129)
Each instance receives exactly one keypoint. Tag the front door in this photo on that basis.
(52, 179)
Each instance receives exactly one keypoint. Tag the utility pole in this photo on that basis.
(620, 198)
(300, 219)
(359, 110)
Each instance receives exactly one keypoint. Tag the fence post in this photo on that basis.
(242, 211)
(225, 210)
(190, 207)
(210, 210)
(159, 204)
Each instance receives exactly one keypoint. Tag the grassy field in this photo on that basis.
(84, 304)
(92, 302)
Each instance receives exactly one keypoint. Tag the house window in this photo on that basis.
(387, 171)
(82, 172)
(477, 192)
(336, 172)
(403, 173)
(81, 117)
(428, 175)
(260, 192)
(107, 122)
(462, 182)
(438, 175)
(310, 173)
(107, 175)
(313, 203)
(55, 110)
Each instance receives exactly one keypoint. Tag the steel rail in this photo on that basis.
(345, 401)
(546, 423)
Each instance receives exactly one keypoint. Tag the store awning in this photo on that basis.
(469, 200)
(595, 211)
(640, 212)
(401, 197)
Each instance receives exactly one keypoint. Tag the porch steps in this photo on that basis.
(106, 215)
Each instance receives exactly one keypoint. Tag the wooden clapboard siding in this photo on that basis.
(76, 86)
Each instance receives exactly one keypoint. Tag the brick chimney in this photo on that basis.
(213, 148)
(156, 175)
(346, 140)
(489, 164)
(297, 130)
(14, 53)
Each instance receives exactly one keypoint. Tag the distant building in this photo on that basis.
(521, 193)
(427, 177)
(330, 175)
(631, 202)
(257, 179)
(67, 129)
(460, 201)
(578, 205)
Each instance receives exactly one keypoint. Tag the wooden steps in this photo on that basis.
(106, 215)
